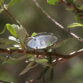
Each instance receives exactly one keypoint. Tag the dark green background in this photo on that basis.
(34, 20)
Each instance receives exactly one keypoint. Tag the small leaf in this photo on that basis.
(52, 2)
(21, 32)
(75, 25)
(28, 67)
(11, 29)
(33, 34)
(17, 31)
(41, 61)
(3, 30)
(12, 2)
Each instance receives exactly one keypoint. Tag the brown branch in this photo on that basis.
(12, 17)
(36, 52)
(58, 24)
(9, 14)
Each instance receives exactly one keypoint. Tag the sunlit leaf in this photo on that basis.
(41, 61)
(13, 2)
(33, 34)
(75, 25)
(11, 29)
(52, 2)
(17, 31)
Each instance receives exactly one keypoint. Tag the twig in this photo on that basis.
(9, 14)
(35, 52)
(58, 24)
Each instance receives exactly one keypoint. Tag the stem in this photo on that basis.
(35, 52)
(9, 14)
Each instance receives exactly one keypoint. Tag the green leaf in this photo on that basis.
(13, 2)
(52, 2)
(41, 61)
(17, 31)
(3, 31)
(28, 67)
(11, 29)
(75, 25)
(33, 34)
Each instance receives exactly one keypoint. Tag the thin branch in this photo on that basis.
(9, 14)
(35, 52)
(57, 23)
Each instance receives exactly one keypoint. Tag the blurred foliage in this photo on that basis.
(34, 21)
